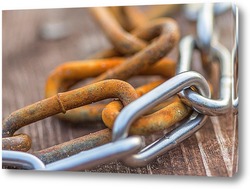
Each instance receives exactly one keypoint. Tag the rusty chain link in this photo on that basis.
(70, 73)
(64, 101)
(136, 51)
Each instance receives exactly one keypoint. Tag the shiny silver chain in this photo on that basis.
(130, 150)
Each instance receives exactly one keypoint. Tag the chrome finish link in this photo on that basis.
(169, 88)
(99, 155)
(21, 160)
(167, 142)
(205, 28)
(199, 102)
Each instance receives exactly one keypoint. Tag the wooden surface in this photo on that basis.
(28, 59)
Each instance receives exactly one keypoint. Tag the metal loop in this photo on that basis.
(166, 33)
(99, 155)
(83, 160)
(205, 23)
(71, 99)
(21, 160)
(70, 73)
(158, 119)
(167, 142)
(138, 107)
(200, 103)
(192, 10)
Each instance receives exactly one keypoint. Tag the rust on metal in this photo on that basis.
(68, 100)
(69, 73)
(122, 40)
(137, 51)
(167, 33)
(129, 17)
(74, 146)
(20, 142)
(163, 117)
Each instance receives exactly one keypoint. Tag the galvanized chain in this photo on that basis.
(208, 48)
(192, 88)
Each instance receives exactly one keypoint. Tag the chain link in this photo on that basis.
(184, 99)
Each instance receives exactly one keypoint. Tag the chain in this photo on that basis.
(182, 98)
(70, 73)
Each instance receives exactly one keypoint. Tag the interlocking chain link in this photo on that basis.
(134, 111)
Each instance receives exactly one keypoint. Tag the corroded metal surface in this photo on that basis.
(74, 146)
(172, 112)
(62, 102)
(167, 33)
(70, 73)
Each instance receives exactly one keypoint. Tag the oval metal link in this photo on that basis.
(169, 88)
(21, 160)
(65, 101)
(167, 142)
(200, 103)
(205, 29)
(169, 113)
(81, 161)
(99, 155)
(170, 140)
(192, 10)
(70, 73)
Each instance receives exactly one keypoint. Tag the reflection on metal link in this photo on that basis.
(167, 142)
(21, 160)
(235, 63)
(166, 90)
(217, 52)
(192, 10)
(146, 102)
(98, 155)
(205, 28)
(200, 103)
(80, 161)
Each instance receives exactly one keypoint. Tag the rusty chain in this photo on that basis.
(69, 73)
(136, 51)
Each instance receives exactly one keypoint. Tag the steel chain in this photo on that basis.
(143, 58)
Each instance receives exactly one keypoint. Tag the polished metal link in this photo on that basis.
(200, 103)
(166, 90)
(167, 142)
(21, 160)
(81, 161)
(205, 28)
(99, 155)
(192, 10)
(149, 100)
(217, 51)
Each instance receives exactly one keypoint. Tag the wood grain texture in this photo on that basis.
(28, 59)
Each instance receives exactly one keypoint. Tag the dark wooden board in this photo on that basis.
(28, 59)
